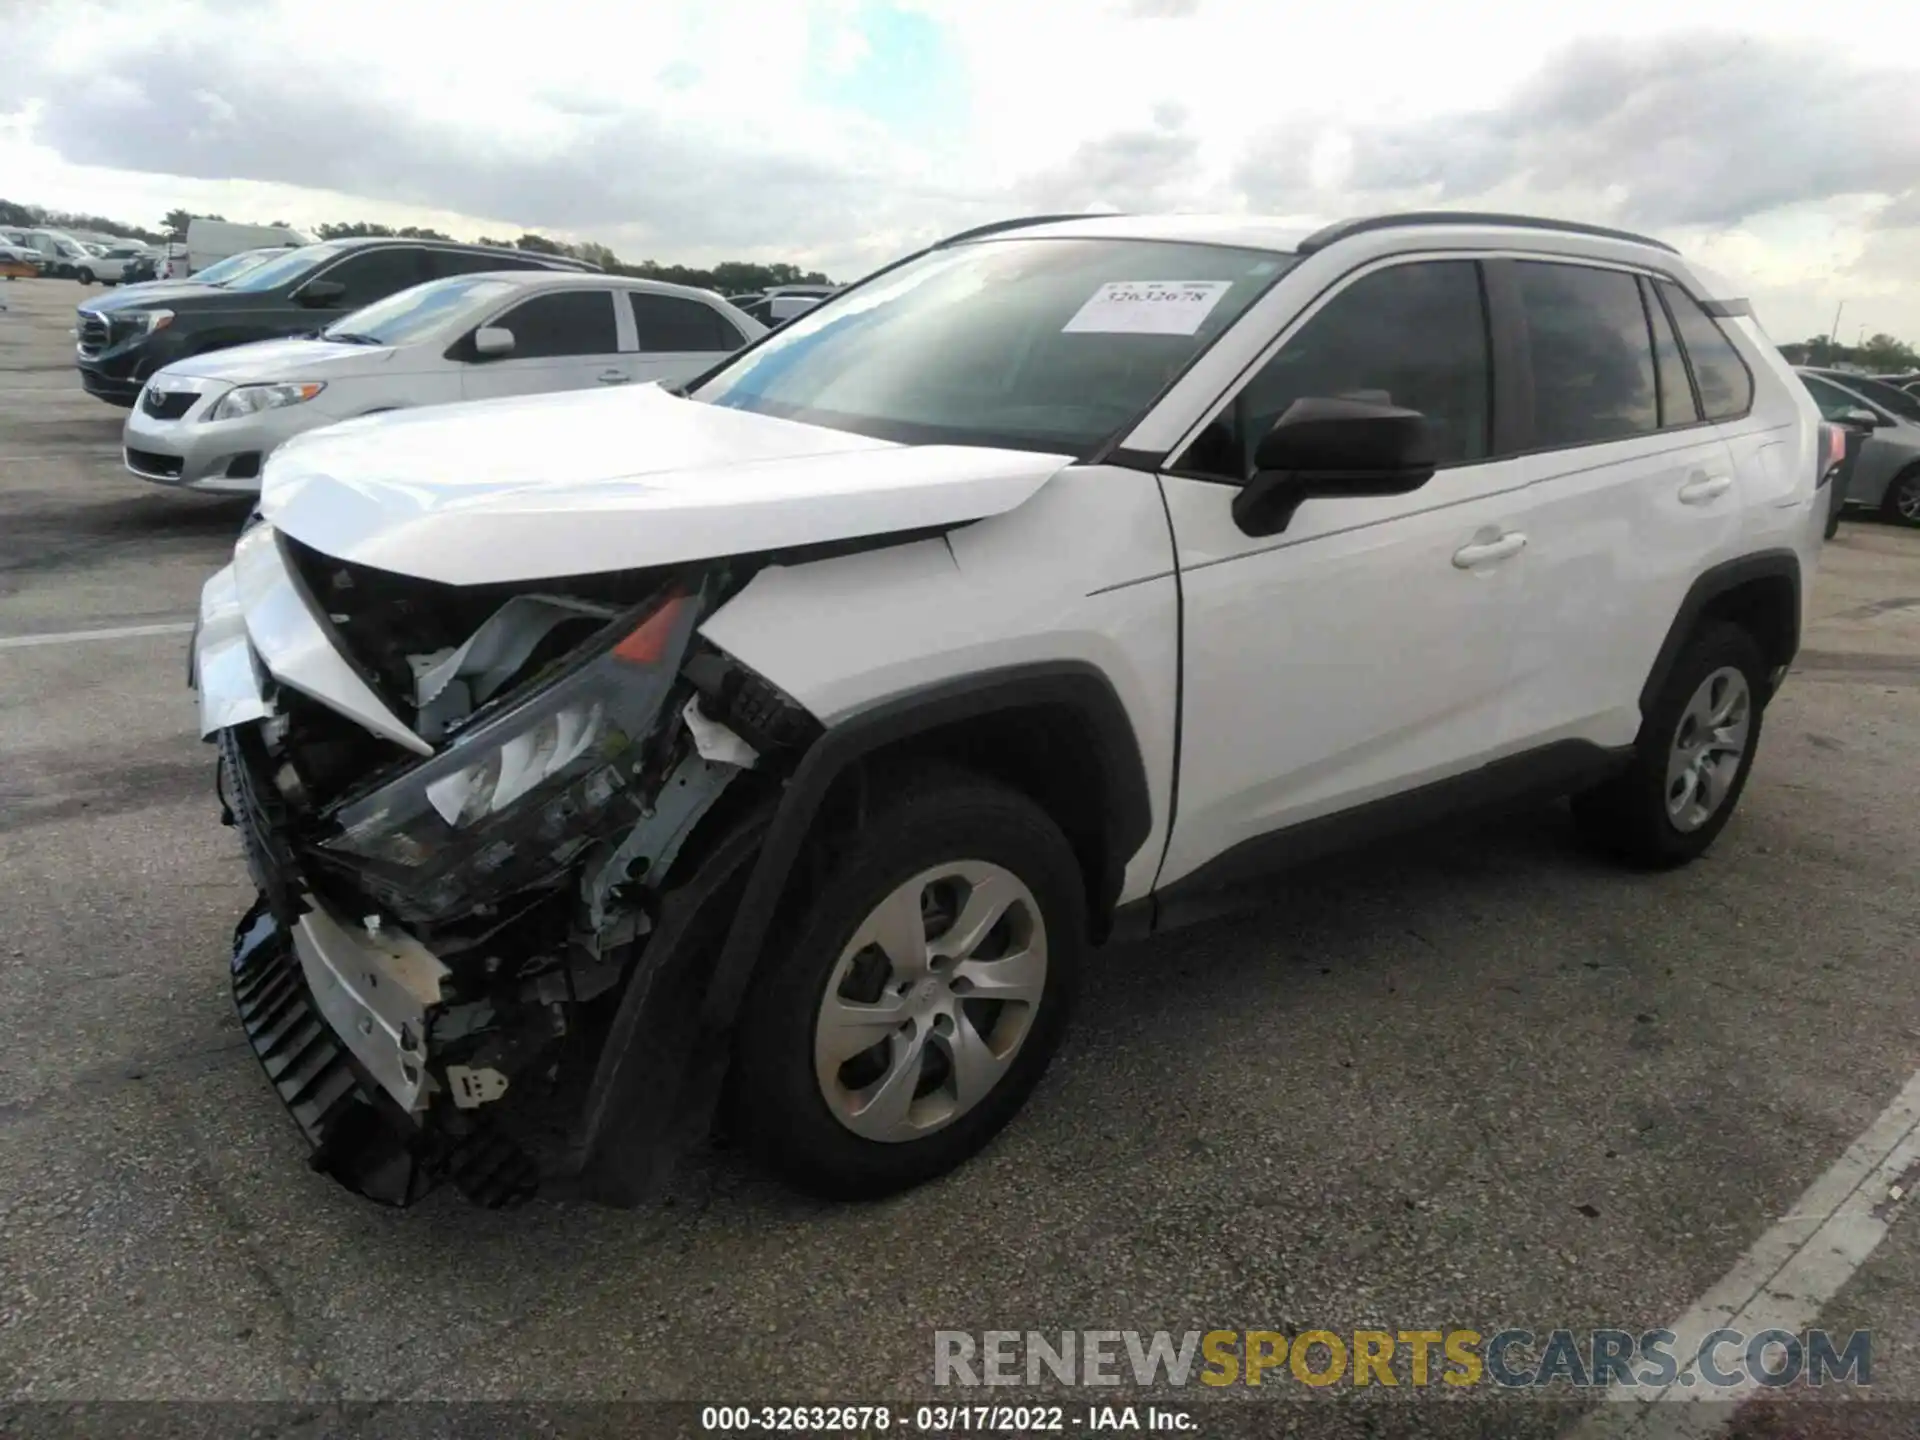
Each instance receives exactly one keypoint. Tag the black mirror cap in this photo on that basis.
(1340, 436)
(1334, 447)
(1861, 418)
(321, 293)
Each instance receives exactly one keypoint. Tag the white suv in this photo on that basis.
(773, 750)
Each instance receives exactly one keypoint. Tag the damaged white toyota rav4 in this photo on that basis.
(772, 752)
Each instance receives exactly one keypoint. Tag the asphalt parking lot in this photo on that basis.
(1489, 1082)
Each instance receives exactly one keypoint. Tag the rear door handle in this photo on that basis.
(1701, 489)
(1485, 552)
(613, 377)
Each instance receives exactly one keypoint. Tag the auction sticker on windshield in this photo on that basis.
(1147, 307)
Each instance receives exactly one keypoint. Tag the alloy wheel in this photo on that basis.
(1708, 745)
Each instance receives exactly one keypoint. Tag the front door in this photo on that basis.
(1363, 651)
(562, 340)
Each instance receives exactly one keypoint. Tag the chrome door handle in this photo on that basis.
(613, 377)
(1700, 489)
(1486, 551)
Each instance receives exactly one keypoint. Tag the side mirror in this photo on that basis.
(1333, 447)
(1860, 418)
(320, 294)
(491, 340)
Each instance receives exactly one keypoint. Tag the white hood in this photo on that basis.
(590, 481)
(267, 361)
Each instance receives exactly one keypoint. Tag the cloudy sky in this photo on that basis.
(1778, 142)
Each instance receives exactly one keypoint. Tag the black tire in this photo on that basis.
(1903, 493)
(1627, 816)
(920, 823)
(85, 277)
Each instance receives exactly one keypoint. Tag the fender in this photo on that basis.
(1710, 586)
(1074, 685)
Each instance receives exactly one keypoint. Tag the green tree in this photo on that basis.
(539, 244)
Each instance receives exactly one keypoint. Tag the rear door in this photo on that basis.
(562, 340)
(676, 336)
(1632, 492)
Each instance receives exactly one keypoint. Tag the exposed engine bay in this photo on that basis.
(445, 941)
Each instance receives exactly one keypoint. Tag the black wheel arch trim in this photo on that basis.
(1720, 580)
(1075, 685)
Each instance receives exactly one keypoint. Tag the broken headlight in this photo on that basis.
(521, 792)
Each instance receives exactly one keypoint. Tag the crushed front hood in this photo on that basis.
(590, 481)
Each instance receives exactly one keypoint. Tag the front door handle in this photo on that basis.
(1484, 552)
(1700, 488)
(613, 377)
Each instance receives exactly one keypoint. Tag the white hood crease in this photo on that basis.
(585, 482)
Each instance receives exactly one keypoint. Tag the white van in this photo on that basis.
(211, 240)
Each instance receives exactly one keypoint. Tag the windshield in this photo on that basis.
(1890, 397)
(1034, 344)
(420, 311)
(222, 271)
(285, 266)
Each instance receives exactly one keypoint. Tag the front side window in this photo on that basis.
(375, 274)
(466, 262)
(1592, 356)
(1832, 400)
(1052, 345)
(1411, 335)
(1726, 386)
(416, 312)
(670, 323)
(564, 322)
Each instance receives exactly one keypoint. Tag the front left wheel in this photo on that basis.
(915, 1002)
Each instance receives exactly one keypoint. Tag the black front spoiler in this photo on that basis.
(352, 1139)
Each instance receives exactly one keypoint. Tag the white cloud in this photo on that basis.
(704, 129)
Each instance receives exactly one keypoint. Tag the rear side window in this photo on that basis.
(1411, 335)
(465, 262)
(666, 323)
(375, 274)
(1677, 403)
(1592, 355)
(566, 322)
(1726, 386)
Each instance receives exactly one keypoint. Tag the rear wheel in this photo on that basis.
(1902, 500)
(85, 277)
(917, 999)
(1695, 749)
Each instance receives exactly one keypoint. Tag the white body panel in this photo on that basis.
(842, 634)
(211, 240)
(613, 480)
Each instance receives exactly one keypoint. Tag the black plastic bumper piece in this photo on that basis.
(352, 1141)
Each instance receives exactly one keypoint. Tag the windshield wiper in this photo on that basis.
(350, 337)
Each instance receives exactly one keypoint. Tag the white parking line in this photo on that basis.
(74, 637)
(1781, 1283)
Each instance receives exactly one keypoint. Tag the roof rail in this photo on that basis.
(1019, 223)
(1345, 229)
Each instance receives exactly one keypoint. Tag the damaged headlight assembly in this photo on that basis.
(521, 792)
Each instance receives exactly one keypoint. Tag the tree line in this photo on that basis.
(1879, 354)
(730, 277)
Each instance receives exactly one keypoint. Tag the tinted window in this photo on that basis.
(1412, 335)
(1677, 403)
(567, 322)
(1891, 397)
(1832, 400)
(280, 269)
(1052, 345)
(465, 262)
(375, 274)
(1592, 355)
(673, 322)
(1726, 389)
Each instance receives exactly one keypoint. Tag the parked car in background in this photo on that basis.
(17, 263)
(124, 339)
(781, 303)
(208, 423)
(784, 744)
(1885, 474)
(210, 241)
(140, 268)
(108, 264)
(60, 255)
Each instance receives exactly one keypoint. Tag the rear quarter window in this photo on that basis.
(1721, 376)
